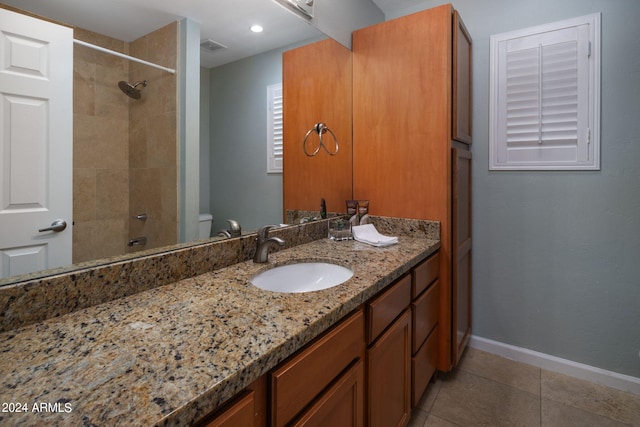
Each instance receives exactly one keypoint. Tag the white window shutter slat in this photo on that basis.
(274, 129)
(559, 124)
(522, 94)
(541, 98)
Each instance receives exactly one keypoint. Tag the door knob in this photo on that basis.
(57, 226)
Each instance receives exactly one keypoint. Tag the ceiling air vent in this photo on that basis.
(211, 46)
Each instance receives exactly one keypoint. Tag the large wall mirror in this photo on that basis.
(233, 183)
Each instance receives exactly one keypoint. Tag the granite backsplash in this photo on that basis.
(57, 293)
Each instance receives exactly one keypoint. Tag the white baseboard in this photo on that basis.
(563, 366)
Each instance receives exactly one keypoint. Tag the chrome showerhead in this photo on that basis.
(130, 89)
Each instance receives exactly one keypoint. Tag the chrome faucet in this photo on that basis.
(235, 230)
(263, 241)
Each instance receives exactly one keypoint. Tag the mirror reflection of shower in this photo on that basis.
(131, 88)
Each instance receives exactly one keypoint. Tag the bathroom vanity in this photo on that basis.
(212, 345)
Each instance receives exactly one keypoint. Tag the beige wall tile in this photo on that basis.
(99, 239)
(145, 192)
(100, 142)
(169, 182)
(110, 101)
(162, 48)
(109, 237)
(97, 57)
(84, 196)
(84, 86)
(83, 248)
(138, 143)
(161, 142)
(112, 194)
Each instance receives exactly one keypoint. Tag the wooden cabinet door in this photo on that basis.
(340, 406)
(461, 256)
(317, 88)
(247, 409)
(402, 115)
(462, 86)
(389, 376)
(240, 414)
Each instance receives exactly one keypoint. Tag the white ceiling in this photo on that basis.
(224, 21)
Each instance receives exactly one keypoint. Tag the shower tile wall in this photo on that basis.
(153, 154)
(100, 150)
(124, 149)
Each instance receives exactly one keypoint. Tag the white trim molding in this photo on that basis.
(556, 364)
(544, 105)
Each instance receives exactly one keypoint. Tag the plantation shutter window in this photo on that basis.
(274, 128)
(544, 97)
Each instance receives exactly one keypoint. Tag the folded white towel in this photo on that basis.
(368, 234)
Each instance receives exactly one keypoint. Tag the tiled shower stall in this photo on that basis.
(125, 149)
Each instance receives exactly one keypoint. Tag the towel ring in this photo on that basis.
(320, 129)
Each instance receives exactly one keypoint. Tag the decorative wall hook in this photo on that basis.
(320, 129)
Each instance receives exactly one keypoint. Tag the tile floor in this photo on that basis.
(488, 390)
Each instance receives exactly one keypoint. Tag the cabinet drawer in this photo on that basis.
(424, 274)
(386, 307)
(301, 379)
(423, 366)
(425, 314)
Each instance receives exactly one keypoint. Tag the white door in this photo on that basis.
(36, 130)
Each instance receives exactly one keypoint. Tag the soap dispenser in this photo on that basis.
(363, 211)
(352, 212)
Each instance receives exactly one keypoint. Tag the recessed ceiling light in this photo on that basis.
(256, 28)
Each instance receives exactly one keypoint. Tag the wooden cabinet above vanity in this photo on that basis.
(317, 88)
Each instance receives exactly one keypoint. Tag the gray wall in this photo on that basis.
(241, 189)
(557, 254)
(189, 128)
(338, 18)
(205, 149)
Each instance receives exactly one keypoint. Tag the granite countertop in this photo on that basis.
(170, 355)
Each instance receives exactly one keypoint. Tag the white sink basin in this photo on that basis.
(302, 277)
